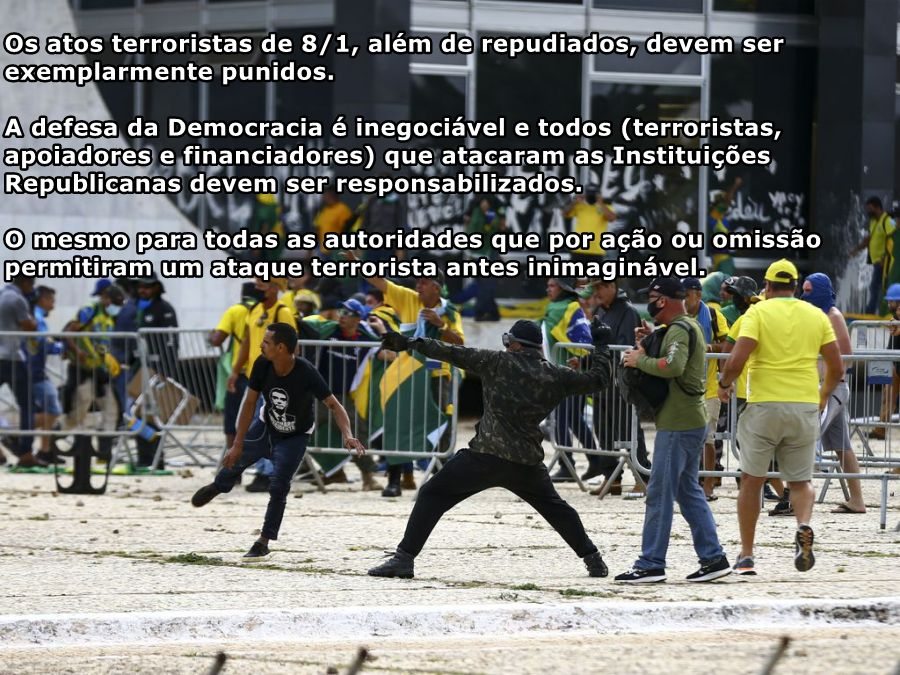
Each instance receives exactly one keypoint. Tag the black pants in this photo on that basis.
(467, 473)
(612, 422)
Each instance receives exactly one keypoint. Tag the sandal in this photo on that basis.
(843, 508)
(711, 498)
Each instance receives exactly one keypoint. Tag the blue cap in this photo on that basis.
(691, 284)
(101, 285)
(356, 307)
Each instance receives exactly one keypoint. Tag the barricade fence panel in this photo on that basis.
(870, 377)
(400, 405)
(62, 385)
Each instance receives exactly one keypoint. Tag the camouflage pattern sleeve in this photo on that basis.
(475, 361)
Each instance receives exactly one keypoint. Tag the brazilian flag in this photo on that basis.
(412, 419)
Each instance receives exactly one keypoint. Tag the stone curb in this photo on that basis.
(448, 621)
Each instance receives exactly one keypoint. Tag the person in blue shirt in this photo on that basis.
(44, 395)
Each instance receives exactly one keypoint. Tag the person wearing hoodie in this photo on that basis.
(835, 433)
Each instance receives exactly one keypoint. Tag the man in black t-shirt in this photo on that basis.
(289, 386)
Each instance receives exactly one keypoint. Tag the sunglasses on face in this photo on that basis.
(347, 312)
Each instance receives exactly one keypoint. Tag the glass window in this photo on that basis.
(433, 97)
(437, 56)
(657, 198)
(118, 96)
(170, 99)
(766, 6)
(778, 88)
(526, 88)
(679, 64)
(694, 6)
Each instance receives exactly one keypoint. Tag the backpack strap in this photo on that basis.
(692, 344)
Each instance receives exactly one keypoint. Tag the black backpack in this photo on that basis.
(648, 392)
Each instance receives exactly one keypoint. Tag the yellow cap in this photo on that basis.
(304, 295)
(280, 282)
(782, 271)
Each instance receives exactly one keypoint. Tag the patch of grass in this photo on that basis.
(526, 587)
(44, 516)
(194, 559)
(578, 593)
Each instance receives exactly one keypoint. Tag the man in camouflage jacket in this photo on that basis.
(519, 388)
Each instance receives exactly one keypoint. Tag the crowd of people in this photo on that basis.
(97, 365)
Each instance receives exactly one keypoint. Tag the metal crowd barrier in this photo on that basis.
(865, 377)
(73, 386)
(180, 401)
(421, 423)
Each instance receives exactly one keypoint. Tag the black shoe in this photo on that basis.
(205, 495)
(636, 576)
(259, 483)
(595, 565)
(399, 565)
(712, 570)
(769, 494)
(257, 553)
(49, 457)
(562, 475)
(392, 490)
(782, 509)
(803, 549)
(590, 473)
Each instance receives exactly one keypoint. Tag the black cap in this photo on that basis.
(691, 284)
(150, 280)
(670, 287)
(248, 289)
(742, 286)
(527, 333)
(114, 293)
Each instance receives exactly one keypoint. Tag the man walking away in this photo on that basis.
(520, 388)
(289, 386)
(680, 431)
(782, 338)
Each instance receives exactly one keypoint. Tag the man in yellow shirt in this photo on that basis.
(267, 311)
(590, 214)
(233, 325)
(881, 227)
(332, 217)
(782, 338)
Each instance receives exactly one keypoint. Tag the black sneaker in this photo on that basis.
(782, 509)
(636, 576)
(803, 549)
(259, 483)
(595, 565)
(392, 490)
(257, 553)
(400, 565)
(770, 495)
(205, 495)
(716, 569)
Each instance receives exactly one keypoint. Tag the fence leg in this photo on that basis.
(884, 497)
(617, 473)
(82, 452)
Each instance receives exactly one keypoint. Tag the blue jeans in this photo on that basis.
(286, 455)
(674, 478)
(875, 289)
(16, 375)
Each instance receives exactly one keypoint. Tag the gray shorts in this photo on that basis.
(786, 432)
(836, 427)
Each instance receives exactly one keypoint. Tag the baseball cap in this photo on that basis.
(356, 307)
(782, 271)
(691, 284)
(667, 286)
(745, 287)
(101, 285)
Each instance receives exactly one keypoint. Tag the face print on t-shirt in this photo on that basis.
(279, 418)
